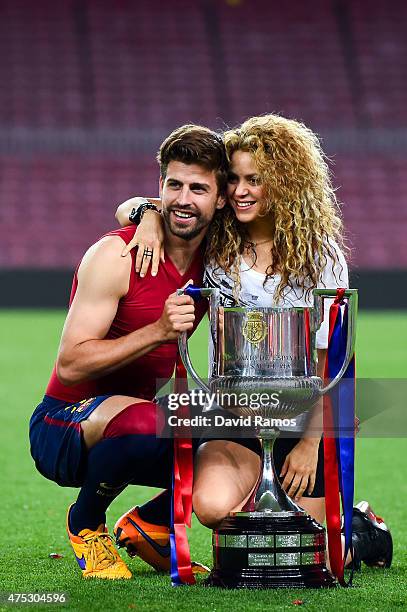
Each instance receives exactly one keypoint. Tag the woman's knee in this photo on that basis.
(210, 510)
(224, 476)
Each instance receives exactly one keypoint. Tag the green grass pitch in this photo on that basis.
(32, 509)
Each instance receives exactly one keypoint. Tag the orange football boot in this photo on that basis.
(148, 541)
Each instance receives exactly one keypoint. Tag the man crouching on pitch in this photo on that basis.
(96, 426)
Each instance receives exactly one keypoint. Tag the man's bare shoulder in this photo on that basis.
(103, 262)
(105, 248)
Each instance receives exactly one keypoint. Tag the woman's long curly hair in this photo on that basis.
(298, 196)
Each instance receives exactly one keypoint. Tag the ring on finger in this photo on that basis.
(147, 252)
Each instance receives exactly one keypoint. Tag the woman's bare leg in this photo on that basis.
(225, 474)
(315, 507)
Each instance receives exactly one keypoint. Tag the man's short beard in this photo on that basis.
(185, 234)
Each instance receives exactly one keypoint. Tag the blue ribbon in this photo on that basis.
(175, 577)
(343, 405)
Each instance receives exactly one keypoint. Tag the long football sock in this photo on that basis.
(157, 510)
(112, 464)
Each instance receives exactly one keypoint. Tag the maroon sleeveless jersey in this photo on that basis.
(141, 306)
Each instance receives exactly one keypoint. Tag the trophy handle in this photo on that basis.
(352, 296)
(197, 294)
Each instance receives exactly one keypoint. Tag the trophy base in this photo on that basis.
(271, 579)
(266, 552)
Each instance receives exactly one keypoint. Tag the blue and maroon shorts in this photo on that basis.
(56, 439)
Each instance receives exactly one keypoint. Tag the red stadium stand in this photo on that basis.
(381, 48)
(69, 204)
(89, 89)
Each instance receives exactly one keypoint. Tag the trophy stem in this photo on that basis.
(268, 496)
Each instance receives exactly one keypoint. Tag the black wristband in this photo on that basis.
(137, 213)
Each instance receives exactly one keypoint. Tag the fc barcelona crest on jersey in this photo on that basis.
(254, 328)
(80, 406)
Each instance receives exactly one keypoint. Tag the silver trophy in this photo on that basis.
(269, 352)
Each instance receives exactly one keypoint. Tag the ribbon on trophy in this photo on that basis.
(181, 506)
(339, 441)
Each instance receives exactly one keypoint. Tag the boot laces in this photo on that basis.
(100, 553)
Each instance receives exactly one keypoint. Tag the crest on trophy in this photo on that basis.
(254, 328)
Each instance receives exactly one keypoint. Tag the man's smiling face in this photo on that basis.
(190, 197)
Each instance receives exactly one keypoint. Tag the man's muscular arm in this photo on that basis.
(103, 279)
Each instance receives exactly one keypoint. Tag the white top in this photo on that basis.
(252, 293)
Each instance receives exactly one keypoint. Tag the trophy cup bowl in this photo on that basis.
(269, 352)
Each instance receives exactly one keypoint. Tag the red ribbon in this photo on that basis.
(183, 479)
(331, 474)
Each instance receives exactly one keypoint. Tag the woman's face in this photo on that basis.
(245, 191)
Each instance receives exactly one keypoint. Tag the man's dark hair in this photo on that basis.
(195, 144)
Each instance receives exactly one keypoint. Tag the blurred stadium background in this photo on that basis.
(89, 88)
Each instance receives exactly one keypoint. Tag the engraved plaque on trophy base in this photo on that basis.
(259, 551)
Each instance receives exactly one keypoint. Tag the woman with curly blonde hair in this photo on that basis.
(280, 237)
(283, 219)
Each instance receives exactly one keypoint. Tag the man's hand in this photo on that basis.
(300, 467)
(178, 316)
